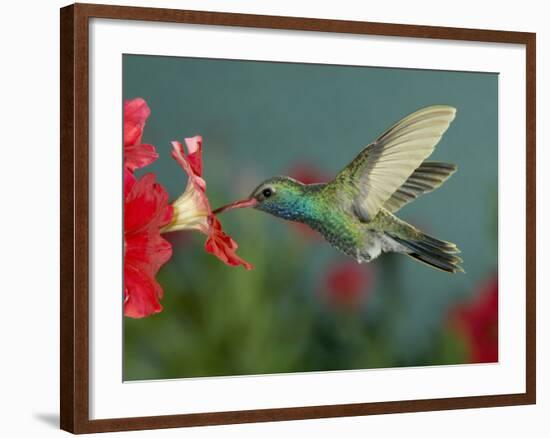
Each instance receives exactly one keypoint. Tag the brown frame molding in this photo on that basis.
(74, 217)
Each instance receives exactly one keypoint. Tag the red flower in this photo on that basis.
(347, 284)
(192, 210)
(136, 154)
(146, 211)
(147, 214)
(477, 321)
(307, 174)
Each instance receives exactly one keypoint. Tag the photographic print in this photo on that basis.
(292, 217)
(307, 218)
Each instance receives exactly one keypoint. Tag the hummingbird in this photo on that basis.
(355, 211)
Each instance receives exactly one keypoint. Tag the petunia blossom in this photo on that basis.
(136, 154)
(146, 211)
(192, 210)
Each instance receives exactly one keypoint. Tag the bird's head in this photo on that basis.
(279, 196)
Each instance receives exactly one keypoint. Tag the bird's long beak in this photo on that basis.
(237, 204)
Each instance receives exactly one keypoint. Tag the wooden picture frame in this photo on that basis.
(75, 237)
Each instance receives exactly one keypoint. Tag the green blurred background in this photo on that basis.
(305, 306)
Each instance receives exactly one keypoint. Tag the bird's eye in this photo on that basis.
(267, 193)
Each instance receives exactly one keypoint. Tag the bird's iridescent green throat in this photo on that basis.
(287, 198)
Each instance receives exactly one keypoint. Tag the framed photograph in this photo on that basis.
(276, 218)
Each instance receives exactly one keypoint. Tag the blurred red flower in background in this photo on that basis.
(477, 322)
(307, 174)
(136, 154)
(146, 211)
(192, 210)
(348, 284)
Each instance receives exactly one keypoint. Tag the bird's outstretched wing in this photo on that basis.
(386, 164)
(427, 177)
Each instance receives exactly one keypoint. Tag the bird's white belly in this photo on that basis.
(376, 244)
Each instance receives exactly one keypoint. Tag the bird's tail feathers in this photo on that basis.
(434, 252)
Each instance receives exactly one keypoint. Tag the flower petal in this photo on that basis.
(139, 155)
(194, 147)
(129, 181)
(147, 251)
(136, 155)
(192, 163)
(136, 113)
(145, 203)
(223, 246)
(141, 293)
